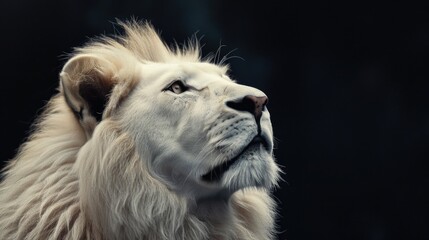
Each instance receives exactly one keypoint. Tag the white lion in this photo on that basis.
(144, 141)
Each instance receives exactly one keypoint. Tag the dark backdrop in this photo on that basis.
(347, 82)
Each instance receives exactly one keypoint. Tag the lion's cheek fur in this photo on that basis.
(119, 195)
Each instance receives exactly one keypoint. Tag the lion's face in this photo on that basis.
(200, 132)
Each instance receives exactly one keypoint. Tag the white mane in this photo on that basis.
(77, 177)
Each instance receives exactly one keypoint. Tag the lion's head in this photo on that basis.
(144, 141)
(198, 131)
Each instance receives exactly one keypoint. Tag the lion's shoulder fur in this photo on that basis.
(40, 196)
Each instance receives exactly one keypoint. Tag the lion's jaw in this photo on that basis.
(196, 144)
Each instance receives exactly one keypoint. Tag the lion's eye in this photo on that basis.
(177, 87)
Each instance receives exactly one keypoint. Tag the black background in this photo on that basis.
(347, 82)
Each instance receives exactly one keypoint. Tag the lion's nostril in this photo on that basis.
(254, 105)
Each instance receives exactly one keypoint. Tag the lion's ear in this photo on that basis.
(86, 81)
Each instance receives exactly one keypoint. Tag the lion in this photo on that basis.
(144, 141)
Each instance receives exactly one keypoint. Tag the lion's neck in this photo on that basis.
(242, 215)
(218, 216)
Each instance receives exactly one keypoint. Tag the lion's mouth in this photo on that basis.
(217, 172)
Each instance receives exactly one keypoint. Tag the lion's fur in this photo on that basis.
(45, 195)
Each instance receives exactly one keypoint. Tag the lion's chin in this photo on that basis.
(250, 169)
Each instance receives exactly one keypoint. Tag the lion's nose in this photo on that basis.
(254, 105)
